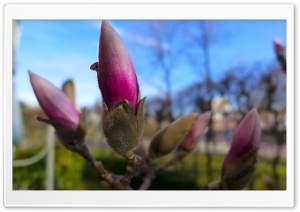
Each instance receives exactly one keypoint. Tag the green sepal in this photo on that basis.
(140, 115)
(120, 128)
(73, 141)
(239, 171)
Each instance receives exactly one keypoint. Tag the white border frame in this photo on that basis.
(14, 198)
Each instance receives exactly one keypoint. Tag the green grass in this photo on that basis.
(73, 173)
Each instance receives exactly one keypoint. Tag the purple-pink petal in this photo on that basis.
(116, 75)
(56, 105)
(278, 45)
(190, 140)
(246, 138)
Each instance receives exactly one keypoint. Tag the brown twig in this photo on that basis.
(149, 176)
(135, 162)
(150, 172)
(111, 179)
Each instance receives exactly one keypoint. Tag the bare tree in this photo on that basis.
(165, 59)
(202, 38)
(263, 88)
(273, 101)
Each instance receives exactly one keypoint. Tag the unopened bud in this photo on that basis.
(240, 163)
(116, 75)
(166, 140)
(62, 114)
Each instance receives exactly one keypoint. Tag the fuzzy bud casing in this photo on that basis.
(166, 140)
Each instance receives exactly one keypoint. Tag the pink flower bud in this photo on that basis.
(116, 76)
(279, 48)
(247, 137)
(190, 140)
(278, 45)
(56, 105)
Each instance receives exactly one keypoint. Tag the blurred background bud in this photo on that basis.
(280, 52)
(247, 137)
(240, 163)
(279, 47)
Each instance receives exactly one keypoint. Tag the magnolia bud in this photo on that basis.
(278, 45)
(190, 140)
(123, 119)
(62, 114)
(116, 75)
(240, 162)
(56, 105)
(166, 140)
(280, 52)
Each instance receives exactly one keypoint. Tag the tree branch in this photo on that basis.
(111, 179)
(150, 172)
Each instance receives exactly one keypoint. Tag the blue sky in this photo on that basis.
(62, 50)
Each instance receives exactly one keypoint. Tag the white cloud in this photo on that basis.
(136, 38)
(146, 41)
(148, 90)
